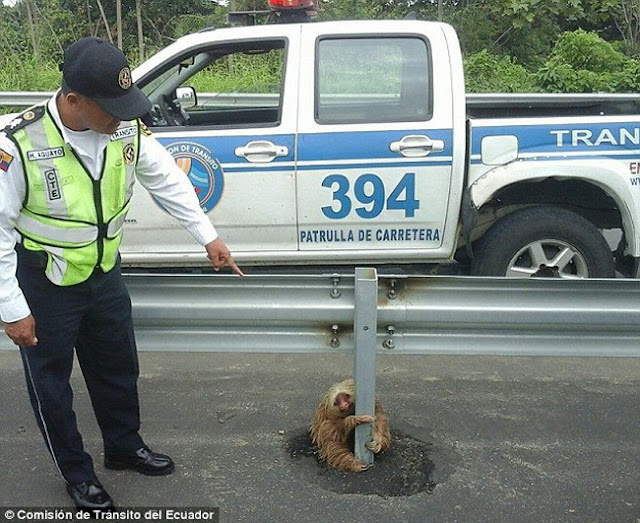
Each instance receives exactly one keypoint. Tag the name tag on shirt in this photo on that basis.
(125, 132)
(45, 154)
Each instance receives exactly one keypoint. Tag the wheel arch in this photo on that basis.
(507, 188)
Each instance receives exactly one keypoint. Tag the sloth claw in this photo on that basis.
(373, 446)
(361, 467)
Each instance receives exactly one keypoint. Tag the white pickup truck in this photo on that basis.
(359, 147)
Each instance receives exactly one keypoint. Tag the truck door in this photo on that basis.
(235, 140)
(374, 148)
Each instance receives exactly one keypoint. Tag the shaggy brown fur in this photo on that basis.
(333, 422)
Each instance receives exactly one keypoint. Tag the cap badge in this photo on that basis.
(124, 78)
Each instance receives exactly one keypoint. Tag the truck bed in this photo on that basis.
(498, 105)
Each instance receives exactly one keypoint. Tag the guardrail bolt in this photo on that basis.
(389, 343)
(335, 293)
(335, 342)
(392, 295)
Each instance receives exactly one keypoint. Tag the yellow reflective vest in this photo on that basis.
(76, 220)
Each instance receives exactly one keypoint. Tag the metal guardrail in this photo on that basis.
(22, 98)
(415, 315)
(26, 99)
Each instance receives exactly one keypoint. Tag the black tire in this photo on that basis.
(543, 242)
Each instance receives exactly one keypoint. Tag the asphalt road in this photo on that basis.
(509, 439)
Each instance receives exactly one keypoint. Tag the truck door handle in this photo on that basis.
(261, 151)
(416, 145)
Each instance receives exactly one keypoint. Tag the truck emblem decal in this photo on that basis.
(203, 169)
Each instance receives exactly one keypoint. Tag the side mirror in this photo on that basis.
(187, 98)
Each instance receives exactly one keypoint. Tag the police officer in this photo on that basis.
(67, 170)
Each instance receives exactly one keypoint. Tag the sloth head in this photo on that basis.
(341, 398)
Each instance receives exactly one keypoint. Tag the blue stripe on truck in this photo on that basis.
(569, 138)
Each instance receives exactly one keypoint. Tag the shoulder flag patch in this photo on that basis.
(5, 160)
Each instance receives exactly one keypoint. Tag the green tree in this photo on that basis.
(626, 15)
(363, 9)
(582, 62)
(33, 35)
(518, 36)
(488, 73)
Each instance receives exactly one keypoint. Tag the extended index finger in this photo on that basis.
(232, 264)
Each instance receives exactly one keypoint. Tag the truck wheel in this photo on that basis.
(546, 242)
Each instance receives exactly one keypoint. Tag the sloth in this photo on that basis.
(335, 420)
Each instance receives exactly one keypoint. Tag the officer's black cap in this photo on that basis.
(99, 70)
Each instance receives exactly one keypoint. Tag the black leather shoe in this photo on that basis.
(90, 495)
(142, 460)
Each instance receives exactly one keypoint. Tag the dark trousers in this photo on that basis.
(95, 318)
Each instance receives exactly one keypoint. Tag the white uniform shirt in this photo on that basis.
(156, 171)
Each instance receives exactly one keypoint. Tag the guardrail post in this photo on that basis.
(364, 366)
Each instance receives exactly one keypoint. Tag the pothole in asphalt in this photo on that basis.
(407, 468)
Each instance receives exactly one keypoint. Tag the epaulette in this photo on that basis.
(31, 115)
(144, 129)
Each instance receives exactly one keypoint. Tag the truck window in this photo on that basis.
(368, 80)
(238, 85)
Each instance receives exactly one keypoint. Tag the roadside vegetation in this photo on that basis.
(509, 45)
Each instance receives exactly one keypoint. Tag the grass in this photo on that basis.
(28, 75)
(242, 74)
